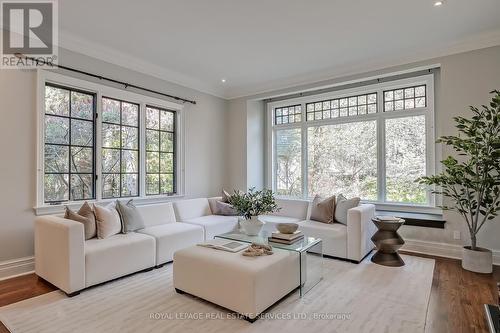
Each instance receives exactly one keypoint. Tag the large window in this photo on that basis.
(69, 134)
(120, 148)
(99, 143)
(160, 151)
(372, 142)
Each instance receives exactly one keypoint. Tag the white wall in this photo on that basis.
(205, 137)
(225, 140)
(464, 79)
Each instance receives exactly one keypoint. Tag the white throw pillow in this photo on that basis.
(107, 220)
(343, 205)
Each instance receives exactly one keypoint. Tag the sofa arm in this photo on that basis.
(360, 229)
(60, 252)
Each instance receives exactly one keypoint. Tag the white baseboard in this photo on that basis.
(440, 249)
(16, 267)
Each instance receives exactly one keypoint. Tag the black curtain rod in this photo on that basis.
(125, 84)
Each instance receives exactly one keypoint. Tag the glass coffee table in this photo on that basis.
(309, 249)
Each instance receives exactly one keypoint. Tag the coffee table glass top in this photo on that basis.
(262, 238)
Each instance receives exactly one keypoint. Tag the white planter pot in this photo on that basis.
(252, 226)
(479, 261)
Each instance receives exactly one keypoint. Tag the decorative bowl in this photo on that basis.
(287, 228)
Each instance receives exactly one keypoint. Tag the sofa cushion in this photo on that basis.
(333, 235)
(215, 224)
(118, 255)
(157, 214)
(292, 208)
(224, 208)
(172, 237)
(323, 210)
(85, 215)
(192, 208)
(107, 220)
(130, 216)
(212, 202)
(342, 207)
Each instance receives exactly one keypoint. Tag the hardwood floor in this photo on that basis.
(455, 306)
(20, 288)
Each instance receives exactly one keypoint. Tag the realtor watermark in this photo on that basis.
(237, 316)
(29, 34)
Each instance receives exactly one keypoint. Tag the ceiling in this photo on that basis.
(261, 45)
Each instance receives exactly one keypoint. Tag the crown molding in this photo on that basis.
(101, 52)
(485, 40)
(98, 51)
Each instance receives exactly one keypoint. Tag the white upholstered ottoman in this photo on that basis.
(247, 285)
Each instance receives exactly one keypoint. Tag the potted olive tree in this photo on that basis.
(472, 180)
(252, 204)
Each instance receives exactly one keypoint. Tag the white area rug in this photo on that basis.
(351, 298)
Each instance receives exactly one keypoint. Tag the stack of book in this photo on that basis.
(278, 237)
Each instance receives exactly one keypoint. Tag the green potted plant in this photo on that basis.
(472, 180)
(252, 204)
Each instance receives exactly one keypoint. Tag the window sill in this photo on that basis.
(425, 220)
(139, 201)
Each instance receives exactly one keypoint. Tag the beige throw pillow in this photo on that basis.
(225, 196)
(223, 208)
(343, 205)
(323, 210)
(107, 220)
(86, 216)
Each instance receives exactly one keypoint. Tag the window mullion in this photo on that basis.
(381, 172)
(98, 148)
(304, 152)
(142, 150)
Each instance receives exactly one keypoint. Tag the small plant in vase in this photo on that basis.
(252, 204)
(472, 180)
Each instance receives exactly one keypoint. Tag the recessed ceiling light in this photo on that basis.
(223, 80)
(438, 3)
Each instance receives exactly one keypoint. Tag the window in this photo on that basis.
(160, 151)
(102, 143)
(120, 148)
(404, 99)
(372, 142)
(69, 134)
(288, 162)
(342, 158)
(342, 107)
(288, 114)
(405, 159)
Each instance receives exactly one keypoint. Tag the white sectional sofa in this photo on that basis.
(199, 212)
(351, 241)
(64, 258)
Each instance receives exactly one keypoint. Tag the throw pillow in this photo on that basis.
(108, 220)
(225, 196)
(223, 208)
(86, 216)
(343, 205)
(323, 210)
(130, 216)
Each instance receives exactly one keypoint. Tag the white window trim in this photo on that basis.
(43, 77)
(428, 111)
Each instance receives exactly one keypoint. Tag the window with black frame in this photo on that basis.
(160, 151)
(120, 148)
(69, 139)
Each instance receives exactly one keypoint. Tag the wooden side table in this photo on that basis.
(388, 242)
